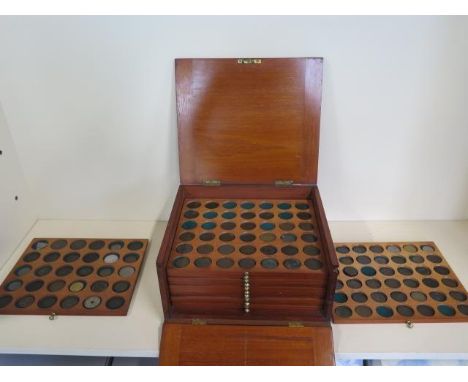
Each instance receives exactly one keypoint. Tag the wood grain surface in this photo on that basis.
(210, 345)
(248, 123)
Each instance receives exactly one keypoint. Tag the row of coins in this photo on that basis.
(83, 271)
(247, 263)
(68, 302)
(75, 286)
(399, 296)
(248, 225)
(250, 237)
(95, 245)
(370, 271)
(247, 205)
(386, 311)
(376, 248)
(71, 257)
(227, 249)
(393, 283)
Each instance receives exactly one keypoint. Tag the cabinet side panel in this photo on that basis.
(330, 255)
(165, 250)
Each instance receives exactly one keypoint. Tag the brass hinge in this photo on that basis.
(197, 321)
(249, 60)
(295, 324)
(212, 182)
(283, 183)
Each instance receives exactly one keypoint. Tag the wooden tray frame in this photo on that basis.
(397, 318)
(79, 309)
(252, 192)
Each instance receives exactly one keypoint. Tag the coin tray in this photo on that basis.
(396, 282)
(247, 235)
(88, 277)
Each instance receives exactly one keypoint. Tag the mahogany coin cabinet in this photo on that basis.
(247, 268)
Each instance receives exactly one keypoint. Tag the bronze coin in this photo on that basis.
(313, 264)
(51, 257)
(405, 310)
(121, 286)
(181, 262)
(115, 303)
(193, 205)
(226, 249)
(99, 286)
(376, 248)
(202, 262)
(96, 245)
(69, 302)
(266, 215)
(247, 249)
(363, 311)
(24, 302)
(205, 249)
(226, 236)
(47, 302)
(59, 244)
(56, 285)
(306, 226)
(269, 263)
(418, 296)
(359, 249)
(311, 250)
(248, 226)
(31, 256)
(247, 263)
(373, 283)
(231, 225)
(354, 283)
(225, 262)
(378, 296)
(291, 263)
(343, 311)
(287, 226)
(425, 310)
(398, 296)
(34, 285)
(71, 257)
(289, 250)
(247, 237)
(78, 244)
(268, 250)
(308, 237)
(186, 236)
(268, 237)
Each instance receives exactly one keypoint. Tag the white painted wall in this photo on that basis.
(16, 215)
(90, 103)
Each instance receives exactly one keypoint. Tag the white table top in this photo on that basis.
(138, 333)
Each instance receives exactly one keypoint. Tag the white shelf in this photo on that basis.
(138, 334)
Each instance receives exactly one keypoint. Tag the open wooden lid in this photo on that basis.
(249, 121)
(209, 345)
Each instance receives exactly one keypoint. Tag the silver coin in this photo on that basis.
(92, 302)
(126, 271)
(111, 258)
